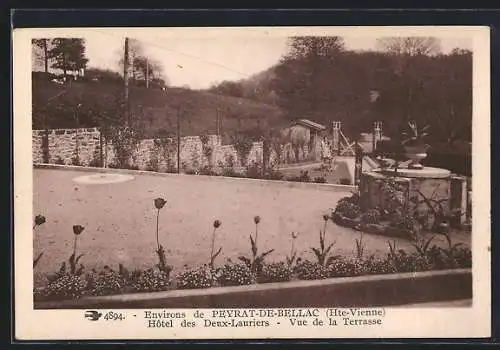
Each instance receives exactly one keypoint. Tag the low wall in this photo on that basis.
(88, 147)
(365, 291)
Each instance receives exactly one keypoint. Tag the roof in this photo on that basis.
(310, 124)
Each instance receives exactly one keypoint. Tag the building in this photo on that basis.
(305, 137)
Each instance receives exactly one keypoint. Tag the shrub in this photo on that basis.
(275, 272)
(320, 180)
(374, 266)
(403, 221)
(273, 174)
(404, 262)
(303, 177)
(345, 268)
(207, 170)
(151, 281)
(345, 181)
(65, 287)
(372, 216)
(346, 202)
(235, 275)
(195, 278)
(307, 270)
(351, 211)
(106, 282)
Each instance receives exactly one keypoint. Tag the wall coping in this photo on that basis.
(289, 184)
(379, 285)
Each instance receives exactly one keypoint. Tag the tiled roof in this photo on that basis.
(310, 124)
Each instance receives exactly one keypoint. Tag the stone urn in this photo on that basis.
(416, 153)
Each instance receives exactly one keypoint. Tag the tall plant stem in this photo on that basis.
(34, 226)
(74, 245)
(158, 229)
(324, 229)
(212, 246)
(256, 233)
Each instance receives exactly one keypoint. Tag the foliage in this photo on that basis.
(235, 275)
(410, 46)
(124, 141)
(39, 220)
(371, 216)
(160, 251)
(243, 146)
(303, 177)
(292, 258)
(65, 287)
(414, 136)
(345, 268)
(106, 282)
(200, 277)
(320, 180)
(275, 272)
(213, 256)
(323, 252)
(307, 270)
(151, 280)
(256, 260)
(68, 54)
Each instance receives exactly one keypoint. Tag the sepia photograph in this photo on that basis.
(236, 169)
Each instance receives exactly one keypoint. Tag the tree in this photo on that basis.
(304, 47)
(43, 44)
(410, 46)
(68, 54)
(144, 68)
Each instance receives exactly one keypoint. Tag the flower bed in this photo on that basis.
(72, 281)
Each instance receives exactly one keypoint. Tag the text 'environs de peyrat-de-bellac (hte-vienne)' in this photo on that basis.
(233, 318)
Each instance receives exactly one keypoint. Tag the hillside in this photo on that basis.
(154, 110)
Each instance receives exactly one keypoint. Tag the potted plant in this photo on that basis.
(414, 145)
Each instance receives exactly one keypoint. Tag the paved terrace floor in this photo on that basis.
(120, 219)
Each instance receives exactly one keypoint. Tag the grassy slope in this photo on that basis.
(157, 110)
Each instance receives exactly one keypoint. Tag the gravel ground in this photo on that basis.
(120, 220)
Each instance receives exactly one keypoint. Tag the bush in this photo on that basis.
(65, 287)
(275, 272)
(345, 268)
(403, 221)
(307, 270)
(404, 262)
(273, 175)
(351, 211)
(303, 177)
(345, 202)
(345, 181)
(151, 281)
(320, 180)
(235, 275)
(106, 282)
(372, 216)
(195, 278)
(374, 266)
(207, 170)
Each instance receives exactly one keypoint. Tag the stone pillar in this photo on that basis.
(458, 198)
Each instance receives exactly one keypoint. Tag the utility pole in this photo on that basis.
(217, 123)
(178, 141)
(147, 73)
(125, 80)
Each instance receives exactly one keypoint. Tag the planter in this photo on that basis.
(415, 154)
(363, 291)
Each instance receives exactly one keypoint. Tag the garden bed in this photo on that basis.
(366, 291)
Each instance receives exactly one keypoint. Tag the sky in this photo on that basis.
(198, 61)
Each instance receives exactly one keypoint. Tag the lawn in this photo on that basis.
(120, 219)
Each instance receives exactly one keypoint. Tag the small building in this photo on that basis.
(305, 136)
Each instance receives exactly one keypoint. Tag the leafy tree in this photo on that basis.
(68, 54)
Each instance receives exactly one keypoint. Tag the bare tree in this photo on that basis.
(410, 46)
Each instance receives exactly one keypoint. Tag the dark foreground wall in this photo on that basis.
(365, 291)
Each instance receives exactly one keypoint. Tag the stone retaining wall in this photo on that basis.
(88, 147)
